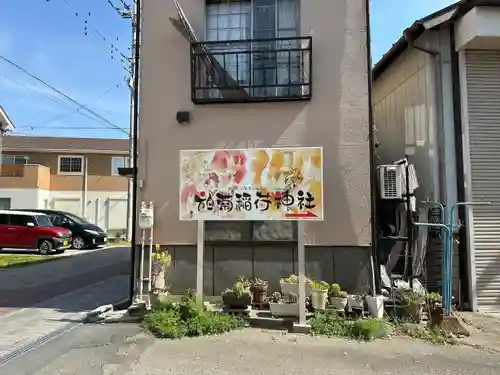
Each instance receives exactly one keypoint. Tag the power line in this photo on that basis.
(31, 88)
(60, 116)
(97, 37)
(82, 106)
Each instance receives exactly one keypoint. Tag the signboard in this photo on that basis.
(251, 184)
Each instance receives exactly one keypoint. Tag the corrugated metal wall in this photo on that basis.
(483, 95)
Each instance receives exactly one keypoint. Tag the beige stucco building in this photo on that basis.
(310, 90)
(436, 97)
(76, 175)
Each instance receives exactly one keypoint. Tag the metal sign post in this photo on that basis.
(200, 249)
(301, 260)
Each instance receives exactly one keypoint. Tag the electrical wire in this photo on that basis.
(100, 40)
(66, 114)
(53, 98)
(80, 106)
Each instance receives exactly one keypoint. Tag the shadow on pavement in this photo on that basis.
(68, 285)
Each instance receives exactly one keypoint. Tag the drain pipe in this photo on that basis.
(374, 263)
(440, 135)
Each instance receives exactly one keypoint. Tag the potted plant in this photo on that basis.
(237, 297)
(435, 308)
(375, 306)
(319, 294)
(258, 287)
(413, 302)
(355, 301)
(290, 284)
(284, 305)
(337, 297)
(160, 263)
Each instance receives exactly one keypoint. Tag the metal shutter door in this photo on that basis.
(71, 205)
(483, 94)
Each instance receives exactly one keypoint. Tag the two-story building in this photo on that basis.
(437, 99)
(6, 127)
(258, 73)
(77, 175)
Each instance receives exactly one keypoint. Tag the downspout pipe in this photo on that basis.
(376, 287)
(465, 298)
(441, 153)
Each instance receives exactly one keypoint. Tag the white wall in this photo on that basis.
(405, 117)
(478, 29)
(107, 209)
(21, 198)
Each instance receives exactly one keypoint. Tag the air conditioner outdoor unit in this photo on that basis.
(391, 180)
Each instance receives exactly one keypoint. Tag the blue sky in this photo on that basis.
(68, 44)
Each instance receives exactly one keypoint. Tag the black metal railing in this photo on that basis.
(255, 70)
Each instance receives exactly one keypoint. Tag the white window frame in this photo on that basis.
(126, 162)
(59, 157)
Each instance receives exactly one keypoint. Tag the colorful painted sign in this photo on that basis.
(251, 184)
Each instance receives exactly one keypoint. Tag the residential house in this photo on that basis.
(239, 74)
(437, 98)
(6, 127)
(77, 175)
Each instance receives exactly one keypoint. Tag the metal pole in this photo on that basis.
(200, 249)
(131, 136)
(135, 125)
(409, 219)
(443, 285)
(301, 260)
(85, 187)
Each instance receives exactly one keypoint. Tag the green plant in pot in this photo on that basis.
(237, 297)
(413, 302)
(284, 304)
(337, 297)
(319, 294)
(258, 287)
(290, 284)
(434, 308)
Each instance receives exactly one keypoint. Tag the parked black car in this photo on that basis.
(85, 234)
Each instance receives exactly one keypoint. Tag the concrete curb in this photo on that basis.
(107, 314)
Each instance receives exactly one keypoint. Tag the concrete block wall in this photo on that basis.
(348, 266)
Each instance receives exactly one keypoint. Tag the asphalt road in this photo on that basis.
(123, 349)
(25, 286)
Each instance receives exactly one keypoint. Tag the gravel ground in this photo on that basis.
(124, 350)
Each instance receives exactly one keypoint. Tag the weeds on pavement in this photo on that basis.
(332, 325)
(188, 318)
(434, 335)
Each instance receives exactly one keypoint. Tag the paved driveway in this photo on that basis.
(27, 285)
(125, 350)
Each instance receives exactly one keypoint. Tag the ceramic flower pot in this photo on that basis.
(294, 288)
(338, 303)
(355, 301)
(233, 302)
(284, 309)
(375, 306)
(159, 280)
(259, 293)
(318, 299)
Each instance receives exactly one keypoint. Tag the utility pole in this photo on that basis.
(133, 13)
(129, 13)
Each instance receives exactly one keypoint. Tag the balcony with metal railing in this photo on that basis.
(254, 70)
